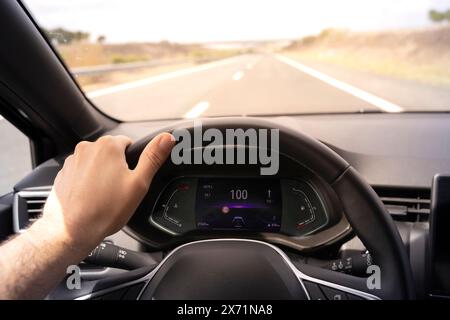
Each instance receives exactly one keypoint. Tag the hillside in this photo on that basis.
(168, 57)
(82, 54)
(418, 54)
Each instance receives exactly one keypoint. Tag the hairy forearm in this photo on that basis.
(34, 262)
(93, 196)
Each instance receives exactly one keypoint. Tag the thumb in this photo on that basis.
(154, 155)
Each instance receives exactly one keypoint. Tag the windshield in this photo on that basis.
(167, 59)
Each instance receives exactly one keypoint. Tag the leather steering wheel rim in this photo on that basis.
(362, 206)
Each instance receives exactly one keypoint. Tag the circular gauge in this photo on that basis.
(303, 210)
(174, 209)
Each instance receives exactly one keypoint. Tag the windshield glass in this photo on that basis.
(141, 60)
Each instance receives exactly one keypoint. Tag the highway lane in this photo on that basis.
(244, 85)
(250, 84)
(267, 84)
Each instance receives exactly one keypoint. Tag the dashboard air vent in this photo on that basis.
(406, 204)
(28, 206)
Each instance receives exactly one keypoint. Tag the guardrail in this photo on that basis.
(105, 68)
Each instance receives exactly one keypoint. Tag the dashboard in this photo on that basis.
(287, 206)
(385, 163)
(398, 166)
(399, 153)
(294, 208)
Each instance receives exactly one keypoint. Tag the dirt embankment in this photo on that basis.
(416, 54)
(82, 54)
(171, 55)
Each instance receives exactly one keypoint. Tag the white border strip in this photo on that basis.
(158, 78)
(238, 76)
(197, 110)
(361, 94)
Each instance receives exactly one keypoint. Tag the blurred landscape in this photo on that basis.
(162, 57)
(421, 54)
(82, 54)
(84, 57)
(415, 54)
(402, 65)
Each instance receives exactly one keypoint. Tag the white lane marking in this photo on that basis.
(155, 79)
(238, 76)
(354, 91)
(197, 110)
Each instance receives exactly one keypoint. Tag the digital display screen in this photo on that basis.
(238, 204)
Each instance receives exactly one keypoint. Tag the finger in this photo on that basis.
(120, 140)
(82, 145)
(123, 141)
(154, 155)
(67, 164)
(68, 160)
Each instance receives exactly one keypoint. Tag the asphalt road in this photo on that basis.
(265, 84)
(243, 85)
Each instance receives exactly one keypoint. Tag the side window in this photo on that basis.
(15, 156)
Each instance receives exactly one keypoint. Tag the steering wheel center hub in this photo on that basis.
(225, 269)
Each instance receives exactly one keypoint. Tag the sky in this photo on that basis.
(228, 20)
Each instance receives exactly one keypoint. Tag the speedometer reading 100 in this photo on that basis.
(288, 206)
(239, 194)
(238, 204)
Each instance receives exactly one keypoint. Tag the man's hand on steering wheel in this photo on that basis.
(94, 195)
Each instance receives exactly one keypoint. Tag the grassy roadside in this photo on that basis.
(85, 54)
(421, 55)
(177, 56)
(99, 81)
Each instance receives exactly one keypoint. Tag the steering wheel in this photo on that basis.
(250, 269)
